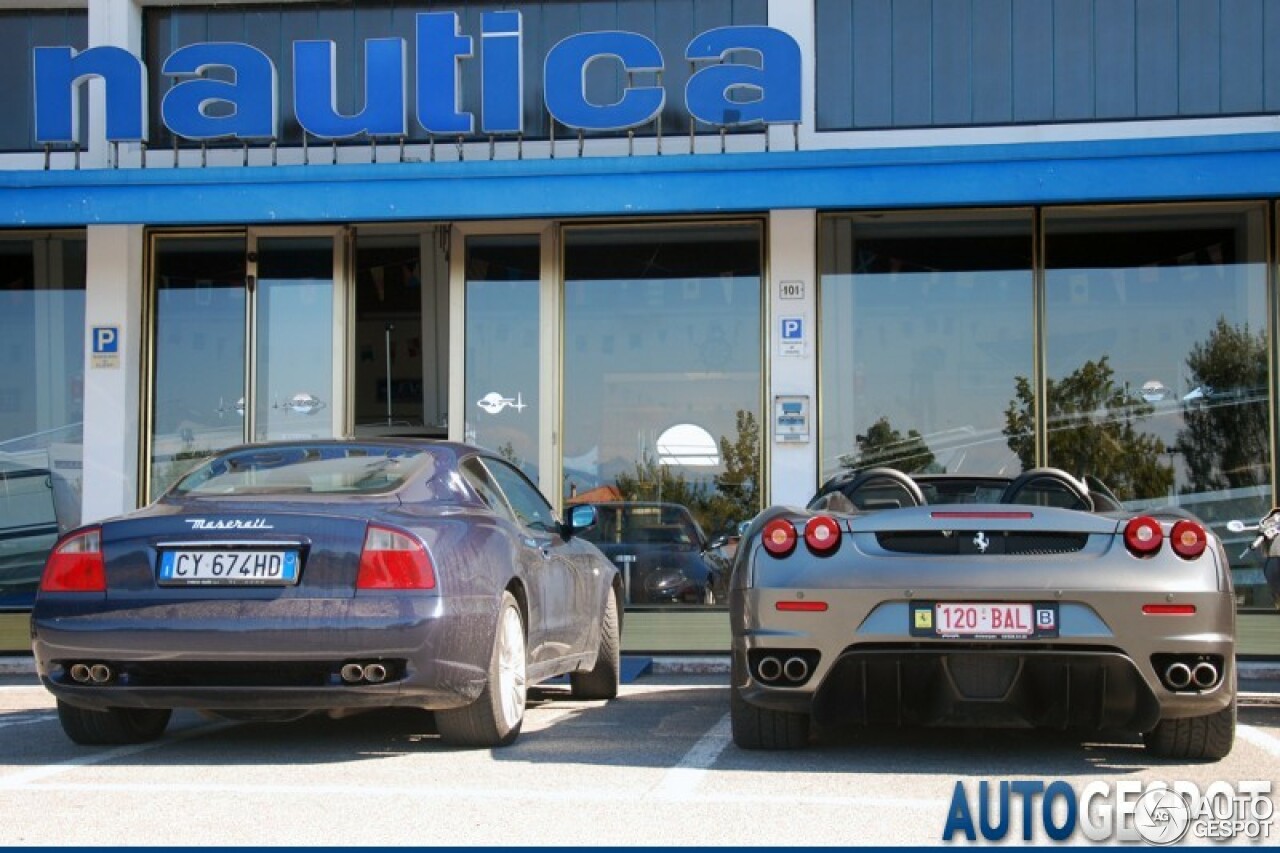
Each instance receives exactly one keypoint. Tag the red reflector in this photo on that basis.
(76, 565)
(822, 534)
(802, 606)
(779, 537)
(392, 559)
(1169, 609)
(990, 514)
(1188, 539)
(1143, 536)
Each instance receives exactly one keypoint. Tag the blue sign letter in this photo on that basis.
(315, 90)
(502, 73)
(774, 86)
(959, 818)
(59, 71)
(565, 81)
(255, 110)
(440, 49)
(106, 339)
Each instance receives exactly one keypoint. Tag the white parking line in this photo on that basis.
(25, 778)
(24, 721)
(1259, 738)
(683, 780)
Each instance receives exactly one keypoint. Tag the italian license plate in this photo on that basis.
(239, 567)
(984, 620)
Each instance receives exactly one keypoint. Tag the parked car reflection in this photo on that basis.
(28, 529)
(664, 556)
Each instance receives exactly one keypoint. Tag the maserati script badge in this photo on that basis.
(228, 524)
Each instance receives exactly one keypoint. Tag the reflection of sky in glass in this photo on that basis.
(934, 352)
(502, 369)
(295, 358)
(1146, 320)
(42, 337)
(680, 345)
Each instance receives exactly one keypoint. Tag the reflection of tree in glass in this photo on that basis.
(1224, 438)
(736, 496)
(884, 446)
(653, 481)
(1092, 430)
(508, 452)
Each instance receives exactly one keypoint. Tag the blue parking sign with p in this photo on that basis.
(793, 328)
(106, 340)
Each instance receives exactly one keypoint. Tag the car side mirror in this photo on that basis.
(582, 517)
(717, 542)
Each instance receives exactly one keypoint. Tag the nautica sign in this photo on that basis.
(721, 91)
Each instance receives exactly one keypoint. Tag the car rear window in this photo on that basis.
(307, 469)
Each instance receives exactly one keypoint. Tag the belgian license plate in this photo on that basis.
(178, 568)
(1001, 620)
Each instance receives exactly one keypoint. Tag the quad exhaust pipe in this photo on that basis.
(1178, 676)
(1204, 675)
(91, 673)
(772, 669)
(1197, 675)
(366, 673)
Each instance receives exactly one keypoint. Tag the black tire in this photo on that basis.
(496, 716)
(602, 681)
(112, 726)
(764, 728)
(1207, 738)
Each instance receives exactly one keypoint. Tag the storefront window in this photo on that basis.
(1157, 361)
(295, 341)
(42, 279)
(502, 298)
(198, 402)
(662, 390)
(927, 324)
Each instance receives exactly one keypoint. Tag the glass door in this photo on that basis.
(502, 292)
(245, 338)
(295, 337)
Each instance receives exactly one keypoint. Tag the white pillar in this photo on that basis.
(112, 387)
(797, 20)
(117, 23)
(793, 370)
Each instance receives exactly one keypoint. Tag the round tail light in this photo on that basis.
(822, 534)
(1143, 536)
(1188, 539)
(779, 537)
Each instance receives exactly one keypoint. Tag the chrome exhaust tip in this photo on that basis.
(769, 669)
(1178, 676)
(352, 673)
(80, 673)
(796, 669)
(100, 673)
(1204, 675)
(375, 673)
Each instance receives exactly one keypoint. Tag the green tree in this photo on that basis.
(1092, 430)
(737, 495)
(1224, 439)
(652, 481)
(884, 446)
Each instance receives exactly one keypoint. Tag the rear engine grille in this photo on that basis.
(1016, 685)
(998, 542)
